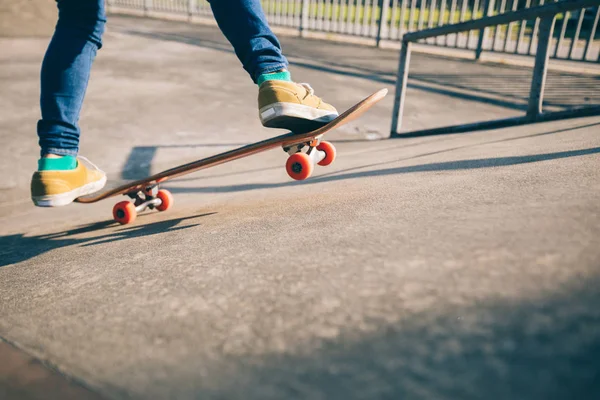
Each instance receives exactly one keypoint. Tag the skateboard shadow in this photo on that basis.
(431, 167)
(354, 172)
(21, 247)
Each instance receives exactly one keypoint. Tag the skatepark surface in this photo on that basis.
(459, 266)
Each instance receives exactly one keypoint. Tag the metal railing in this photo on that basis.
(390, 20)
(546, 16)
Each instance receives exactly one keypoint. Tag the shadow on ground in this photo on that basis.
(502, 85)
(431, 167)
(21, 247)
(544, 347)
(139, 161)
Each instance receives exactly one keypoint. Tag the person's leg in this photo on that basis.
(61, 177)
(65, 73)
(282, 103)
(244, 24)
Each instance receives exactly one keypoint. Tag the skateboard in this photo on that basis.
(305, 150)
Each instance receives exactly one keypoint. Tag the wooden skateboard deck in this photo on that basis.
(299, 166)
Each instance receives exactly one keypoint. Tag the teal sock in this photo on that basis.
(279, 76)
(64, 163)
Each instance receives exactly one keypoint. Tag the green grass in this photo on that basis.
(353, 13)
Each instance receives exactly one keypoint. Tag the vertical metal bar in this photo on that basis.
(190, 8)
(461, 18)
(540, 68)
(474, 12)
(430, 19)
(591, 37)
(351, 15)
(335, 7)
(422, 5)
(400, 94)
(536, 25)
(522, 29)
(442, 13)
(303, 17)
(382, 27)
(365, 18)
(489, 7)
(451, 21)
(357, 17)
(393, 29)
(343, 10)
(509, 28)
(411, 16)
(319, 15)
(441, 22)
(291, 12)
(463, 10)
(347, 27)
(474, 15)
(374, 17)
(401, 26)
(498, 29)
(277, 18)
(561, 36)
(576, 35)
(328, 15)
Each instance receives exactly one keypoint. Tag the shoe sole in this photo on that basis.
(62, 199)
(295, 117)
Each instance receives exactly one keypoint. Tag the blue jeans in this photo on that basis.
(78, 35)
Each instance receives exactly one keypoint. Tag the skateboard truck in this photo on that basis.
(150, 197)
(300, 165)
(147, 198)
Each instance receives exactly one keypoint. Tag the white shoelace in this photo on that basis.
(308, 88)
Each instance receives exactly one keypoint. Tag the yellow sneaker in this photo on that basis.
(293, 106)
(53, 188)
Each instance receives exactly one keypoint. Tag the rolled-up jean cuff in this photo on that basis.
(270, 68)
(59, 152)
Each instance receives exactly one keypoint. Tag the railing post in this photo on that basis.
(489, 9)
(382, 27)
(304, 11)
(400, 94)
(147, 7)
(540, 68)
(190, 9)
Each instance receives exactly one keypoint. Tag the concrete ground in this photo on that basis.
(460, 266)
(27, 18)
